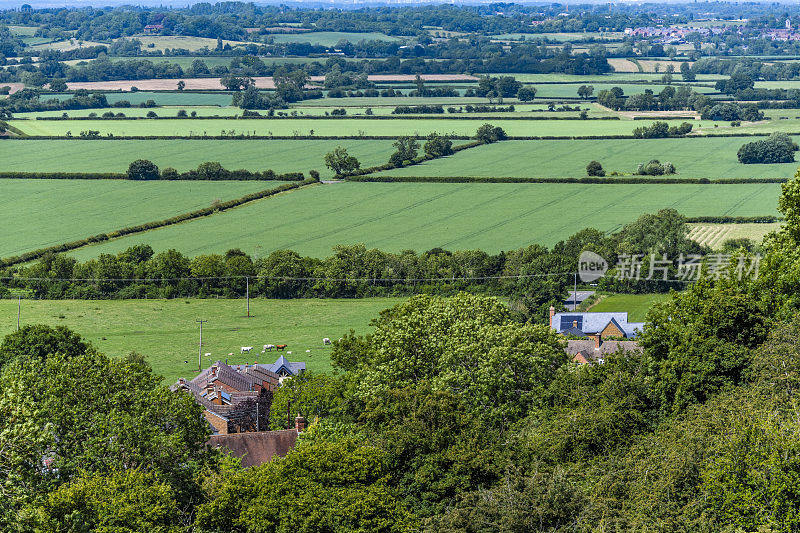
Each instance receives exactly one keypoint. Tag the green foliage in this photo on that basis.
(655, 168)
(700, 341)
(438, 339)
(594, 168)
(341, 162)
(127, 500)
(310, 394)
(34, 343)
(438, 145)
(777, 148)
(406, 151)
(526, 94)
(489, 134)
(324, 486)
(141, 169)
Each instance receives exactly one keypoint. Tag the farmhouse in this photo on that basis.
(603, 325)
(596, 350)
(284, 368)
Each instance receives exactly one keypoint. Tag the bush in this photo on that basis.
(181, 113)
(489, 134)
(777, 148)
(526, 94)
(594, 168)
(170, 173)
(438, 145)
(655, 168)
(151, 114)
(142, 169)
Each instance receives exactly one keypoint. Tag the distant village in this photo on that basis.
(679, 34)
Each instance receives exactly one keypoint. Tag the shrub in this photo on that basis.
(489, 134)
(151, 114)
(142, 169)
(526, 94)
(655, 168)
(594, 168)
(170, 173)
(181, 113)
(211, 170)
(438, 145)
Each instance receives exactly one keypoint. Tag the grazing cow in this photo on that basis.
(281, 346)
(246, 349)
(268, 347)
(326, 341)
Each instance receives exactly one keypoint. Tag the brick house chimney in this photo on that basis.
(598, 340)
(552, 314)
(575, 324)
(299, 423)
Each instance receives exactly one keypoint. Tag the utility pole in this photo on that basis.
(575, 291)
(248, 296)
(19, 310)
(200, 347)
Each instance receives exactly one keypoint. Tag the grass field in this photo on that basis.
(421, 216)
(38, 213)
(330, 38)
(557, 90)
(182, 154)
(694, 157)
(636, 305)
(714, 235)
(160, 42)
(335, 128)
(171, 99)
(165, 331)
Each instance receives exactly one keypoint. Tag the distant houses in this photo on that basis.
(593, 336)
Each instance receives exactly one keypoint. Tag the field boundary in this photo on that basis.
(147, 226)
(592, 180)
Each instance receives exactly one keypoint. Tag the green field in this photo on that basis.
(219, 98)
(183, 154)
(694, 157)
(330, 38)
(39, 213)
(636, 305)
(165, 331)
(557, 90)
(421, 216)
(170, 111)
(338, 127)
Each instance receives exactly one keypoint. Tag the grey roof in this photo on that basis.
(290, 367)
(577, 296)
(588, 322)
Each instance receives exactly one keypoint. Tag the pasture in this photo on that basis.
(337, 127)
(637, 305)
(183, 154)
(165, 331)
(219, 98)
(694, 157)
(39, 213)
(421, 216)
(162, 42)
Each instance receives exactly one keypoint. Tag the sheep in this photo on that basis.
(268, 347)
(326, 341)
(208, 354)
(246, 349)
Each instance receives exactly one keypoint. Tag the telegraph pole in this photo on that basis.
(19, 310)
(200, 347)
(248, 296)
(575, 291)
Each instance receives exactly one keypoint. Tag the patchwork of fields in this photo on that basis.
(166, 333)
(421, 216)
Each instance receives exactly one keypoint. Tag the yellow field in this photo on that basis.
(714, 235)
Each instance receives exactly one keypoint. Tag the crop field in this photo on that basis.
(693, 157)
(330, 38)
(39, 213)
(612, 77)
(166, 333)
(220, 98)
(421, 216)
(337, 127)
(63, 46)
(715, 235)
(556, 90)
(637, 305)
(167, 111)
(183, 154)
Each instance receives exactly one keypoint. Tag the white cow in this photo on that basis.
(326, 341)
(268, 347)
(208, 354)
(246, 349)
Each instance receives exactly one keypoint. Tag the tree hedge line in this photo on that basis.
(724, 219)
(388, 166)
(597, 180)
(147, 226)
(232, 175)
